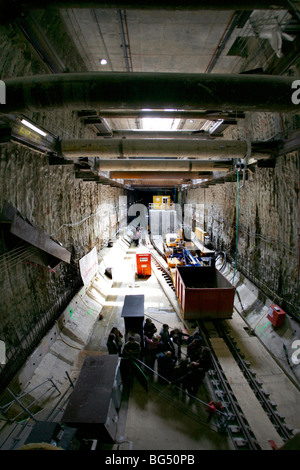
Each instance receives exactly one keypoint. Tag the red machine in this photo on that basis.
(276, 315)
(143, 264)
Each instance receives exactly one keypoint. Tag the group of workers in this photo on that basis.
(185, 370)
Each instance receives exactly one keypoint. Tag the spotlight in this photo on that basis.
(33, 127)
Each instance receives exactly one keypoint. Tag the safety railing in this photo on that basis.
(19, 428)
(17, 399)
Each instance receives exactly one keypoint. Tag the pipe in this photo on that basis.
(154, 175)
(121, 90)
(112, 148)
(19, 7)
(160, 165)
(140, 134)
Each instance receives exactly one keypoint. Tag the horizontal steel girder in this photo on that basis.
(160, 165)
(126, 148)
(121, 90)
(170, 113)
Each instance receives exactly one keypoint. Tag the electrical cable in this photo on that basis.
(264, 285)
(7, 257)
(5, 279)
(16, 256)
(76, 224)
(13, 251)
(102, 38)
(256, 235)
(224, 260)
(237, 223)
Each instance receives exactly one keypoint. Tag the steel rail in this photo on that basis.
(238, 420)
(260, 394)
(235, 420)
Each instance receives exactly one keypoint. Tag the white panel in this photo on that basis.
(88, 266)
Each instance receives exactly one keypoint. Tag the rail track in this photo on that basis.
(256, 385)
(159, 264)
(165, 272)
(237, 425)
(235, 422)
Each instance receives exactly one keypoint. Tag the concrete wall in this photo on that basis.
(268, 227)
(80, 215)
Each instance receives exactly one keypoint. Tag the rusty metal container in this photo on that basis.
(203, 293)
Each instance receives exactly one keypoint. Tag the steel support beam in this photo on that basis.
(136, 164)
(119, 90)
(38, 238)
(39, 41)
(150, 148)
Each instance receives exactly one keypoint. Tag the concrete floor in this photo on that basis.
(170, 421)
(161, 418)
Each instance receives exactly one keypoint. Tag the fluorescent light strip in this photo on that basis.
(34, 128)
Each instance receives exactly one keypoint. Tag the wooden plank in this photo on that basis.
(259, 422)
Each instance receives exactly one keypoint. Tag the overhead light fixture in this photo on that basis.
(103, 61)
(33, 127)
